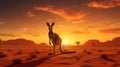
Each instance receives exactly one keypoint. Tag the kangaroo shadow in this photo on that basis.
(33, 63)
(37, 62)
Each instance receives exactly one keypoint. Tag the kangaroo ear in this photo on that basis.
(48, 24)
(52, 24)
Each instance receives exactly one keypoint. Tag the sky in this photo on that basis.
(75, 20)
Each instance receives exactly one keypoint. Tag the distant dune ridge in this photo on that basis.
(19, 41)
(43, 44)
(95, 42)
(114, 42)
(92, 42)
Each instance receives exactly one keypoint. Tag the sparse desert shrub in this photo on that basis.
(118, 51)
(88, 53)
(50, 53)
(104, 56)
(86, 65)
(100, 50)
(37, 52)
(85, 51)
(2, 55)
(33, 56)
(19, 53)
(17, 61)
(9, 50)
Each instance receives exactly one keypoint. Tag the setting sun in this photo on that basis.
(65, 42)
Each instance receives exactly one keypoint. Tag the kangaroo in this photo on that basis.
(54, 37)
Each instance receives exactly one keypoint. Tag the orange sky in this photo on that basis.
(75, 20)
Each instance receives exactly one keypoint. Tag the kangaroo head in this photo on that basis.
(50, 27)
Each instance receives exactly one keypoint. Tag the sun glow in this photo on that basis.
(65, 42)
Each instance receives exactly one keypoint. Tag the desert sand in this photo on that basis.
(39, 57)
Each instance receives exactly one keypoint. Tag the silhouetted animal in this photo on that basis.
(54, 38)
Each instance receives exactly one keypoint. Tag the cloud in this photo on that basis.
(90, 27)
(87, 30)
(9, 35)
(30, 14)
(15, 35)
(36, 35)
(78, 21)
(110, 31)
(32, 34)
(79, 32)
(62, 12)
(104, 3)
